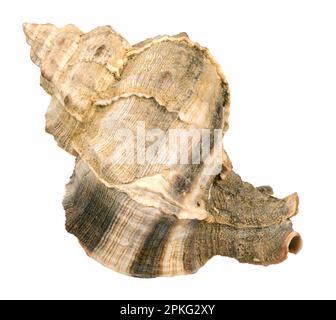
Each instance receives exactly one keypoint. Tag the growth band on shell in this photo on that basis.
(131, 207)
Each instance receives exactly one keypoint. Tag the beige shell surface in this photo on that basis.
(75, 68)
(141, 217)
(170, 83)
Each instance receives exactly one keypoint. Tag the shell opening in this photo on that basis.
(294, 243)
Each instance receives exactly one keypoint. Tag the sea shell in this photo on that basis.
(137, 211)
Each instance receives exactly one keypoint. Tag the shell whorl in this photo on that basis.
(151, 218)
(144, 241)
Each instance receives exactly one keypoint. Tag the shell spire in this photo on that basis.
(153, 192)
(39, 37)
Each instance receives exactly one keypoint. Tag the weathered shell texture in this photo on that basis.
(155, 218)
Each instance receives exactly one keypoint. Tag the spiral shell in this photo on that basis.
(135, 210)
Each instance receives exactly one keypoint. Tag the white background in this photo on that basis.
(280, 60)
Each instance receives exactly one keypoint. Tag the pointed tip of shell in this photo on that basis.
(29, 31)
(292, 202)
(35, 31)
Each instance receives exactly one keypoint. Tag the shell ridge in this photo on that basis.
(107, 102)
(206, 53)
